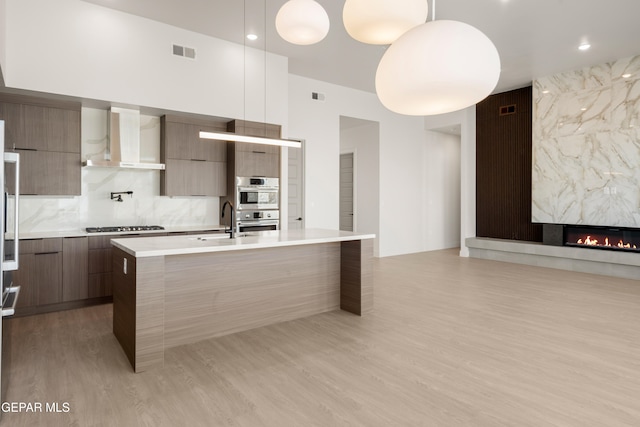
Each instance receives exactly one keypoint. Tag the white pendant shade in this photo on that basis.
(382, 21)
(436, 68)
(302, 22)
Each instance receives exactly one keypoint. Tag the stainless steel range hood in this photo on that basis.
(123, 147)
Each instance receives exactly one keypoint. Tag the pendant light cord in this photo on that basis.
(433, 10)
(244, 61)
(265, 66)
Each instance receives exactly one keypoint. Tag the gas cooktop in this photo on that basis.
(123, 228)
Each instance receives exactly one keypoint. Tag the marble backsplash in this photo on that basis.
(586, 146)
(95, 208)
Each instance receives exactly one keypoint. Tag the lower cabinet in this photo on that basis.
(70, 272)
(40, 273)
(75, 267)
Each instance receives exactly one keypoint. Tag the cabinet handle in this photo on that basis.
(47, 253)
(259, 152)
(34, 240)
(198, 160)
(25, 149)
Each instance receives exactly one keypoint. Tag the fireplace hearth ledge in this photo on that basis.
(585, 260)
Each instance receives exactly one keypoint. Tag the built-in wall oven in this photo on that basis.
(257, 193)
(257, 220)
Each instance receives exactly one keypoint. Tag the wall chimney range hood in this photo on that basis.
(123, 147)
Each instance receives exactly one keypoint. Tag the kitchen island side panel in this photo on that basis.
(138, 308)
(210, 295)
(356, 271)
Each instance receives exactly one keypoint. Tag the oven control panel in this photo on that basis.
(257, 215)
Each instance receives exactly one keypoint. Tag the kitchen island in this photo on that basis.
(170, 291)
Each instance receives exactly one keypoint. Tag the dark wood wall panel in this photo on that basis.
(503, 168)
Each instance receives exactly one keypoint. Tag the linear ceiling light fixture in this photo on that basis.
(436, 68)
(225, 136)
(302, 22)
(382, 21)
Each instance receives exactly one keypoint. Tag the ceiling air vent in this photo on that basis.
(505, 110)
(317, 96)
(187, 52)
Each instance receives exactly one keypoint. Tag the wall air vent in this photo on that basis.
(505, 110)
(317, 96)
(187, 52)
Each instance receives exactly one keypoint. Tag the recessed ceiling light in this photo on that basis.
(546, 91)
(252, 37)
(626, 76)
(584, 46)
(583, 109)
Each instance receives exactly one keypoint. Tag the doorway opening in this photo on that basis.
(295, 184)
(360, 177)
(442, 160)
(346, 191)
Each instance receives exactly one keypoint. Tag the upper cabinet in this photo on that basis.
(247, 159)
(194, 166)
(47, 135)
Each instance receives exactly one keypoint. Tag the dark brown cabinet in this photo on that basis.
(48, 172)
(195, 178)
(193, 166)
(257, 163)
(99, 280)
(47, 135)
(40, 273)
(247, 159)
(245, 127)
(75, 268)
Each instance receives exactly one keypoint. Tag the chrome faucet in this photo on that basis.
(230, 231)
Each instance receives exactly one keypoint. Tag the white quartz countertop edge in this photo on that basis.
(184, 245)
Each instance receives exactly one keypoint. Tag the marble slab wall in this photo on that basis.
(95, 208)
(586, 146)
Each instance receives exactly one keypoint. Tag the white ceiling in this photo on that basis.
(535, 38)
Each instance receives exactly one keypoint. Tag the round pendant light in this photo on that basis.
(382, 21)
(302, 22)
(437, 67)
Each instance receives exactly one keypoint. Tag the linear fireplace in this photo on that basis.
(613, 238)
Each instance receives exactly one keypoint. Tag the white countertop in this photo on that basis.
(181, 245)
(81, 232)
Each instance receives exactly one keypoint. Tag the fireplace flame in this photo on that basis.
(588, 241)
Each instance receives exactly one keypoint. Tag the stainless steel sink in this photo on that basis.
(221, 236)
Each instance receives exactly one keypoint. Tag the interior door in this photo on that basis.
(346, 192)
(296, 188)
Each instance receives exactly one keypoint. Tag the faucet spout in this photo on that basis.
(230, 231)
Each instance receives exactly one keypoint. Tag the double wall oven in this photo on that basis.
(258, 203)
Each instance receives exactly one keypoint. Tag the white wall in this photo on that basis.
(75, 48)
(467, 120)
(442, 203)
(402, 152)
(364, 142)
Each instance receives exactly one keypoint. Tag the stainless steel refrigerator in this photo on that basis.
(9, 203)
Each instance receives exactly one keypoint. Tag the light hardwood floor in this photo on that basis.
(450, 342)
